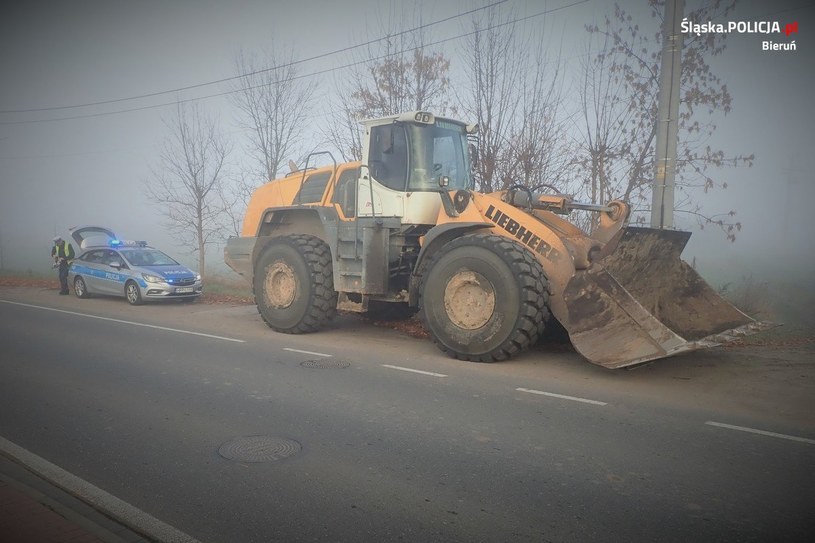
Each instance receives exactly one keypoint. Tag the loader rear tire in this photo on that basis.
(484, 298)
(294, 285)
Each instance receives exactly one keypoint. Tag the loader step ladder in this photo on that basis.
(362, 259)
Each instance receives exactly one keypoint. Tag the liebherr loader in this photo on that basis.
(487, 272)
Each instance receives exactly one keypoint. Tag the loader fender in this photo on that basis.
(319, 222)
(282, 221)
(557, 244)
(437, 237)
(238, 255)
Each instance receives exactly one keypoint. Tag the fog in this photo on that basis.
(92, 169)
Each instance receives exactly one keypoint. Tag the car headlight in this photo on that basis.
(152, 278)
(197, 276)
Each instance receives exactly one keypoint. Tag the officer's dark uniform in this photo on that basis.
(62, 254)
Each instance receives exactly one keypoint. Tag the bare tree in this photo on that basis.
(275, 104)
(342, 131)
(514, 93)
(189, 178)
(537, 154)
(492, 69)
(402, 81)
(397, 74)
(607, 127)
(620, 87)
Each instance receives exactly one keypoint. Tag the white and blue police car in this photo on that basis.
(110, 266)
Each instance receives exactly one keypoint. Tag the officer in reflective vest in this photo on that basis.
(62, 253)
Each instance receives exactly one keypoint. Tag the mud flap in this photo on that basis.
(641, 302)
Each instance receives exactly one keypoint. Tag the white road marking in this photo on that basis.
(107, 503)
(760, 432)
(305, 352)
(124, 321)
(411, 370)
(561, 396)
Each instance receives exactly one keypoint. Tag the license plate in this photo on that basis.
(183, 290)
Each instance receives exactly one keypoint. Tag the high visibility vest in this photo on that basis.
(63, 250)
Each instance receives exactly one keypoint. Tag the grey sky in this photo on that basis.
(58, 174)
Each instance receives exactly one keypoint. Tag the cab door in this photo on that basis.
(382, 185)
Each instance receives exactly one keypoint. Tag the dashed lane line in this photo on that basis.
(560, 396)
(305, 352)
(132, 323)
(760, 432)
(411, 370)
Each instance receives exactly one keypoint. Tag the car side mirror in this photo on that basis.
(118, 264)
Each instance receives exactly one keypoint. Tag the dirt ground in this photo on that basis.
(790, 337)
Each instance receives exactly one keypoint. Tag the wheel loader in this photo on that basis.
(488, 273)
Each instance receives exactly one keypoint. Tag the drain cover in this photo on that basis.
(258, 449)
(326, 363)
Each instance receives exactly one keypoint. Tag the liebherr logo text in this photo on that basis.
(523, 235)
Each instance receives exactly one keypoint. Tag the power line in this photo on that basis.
(312, 74)
(265, 70)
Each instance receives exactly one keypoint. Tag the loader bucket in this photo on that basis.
(641, 302)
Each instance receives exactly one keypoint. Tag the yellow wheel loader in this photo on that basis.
(487, 272)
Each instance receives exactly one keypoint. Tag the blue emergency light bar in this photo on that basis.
(127, 243)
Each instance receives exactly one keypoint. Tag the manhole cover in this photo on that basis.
(258, 449)
(325, 364)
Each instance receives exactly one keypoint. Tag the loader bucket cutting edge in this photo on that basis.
(641, 302)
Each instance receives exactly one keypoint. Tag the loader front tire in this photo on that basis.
(483, 298)
(294, 284)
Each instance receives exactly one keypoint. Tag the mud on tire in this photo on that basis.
(484, 298)
(294, 284)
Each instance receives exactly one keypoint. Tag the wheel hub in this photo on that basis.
(280, 286)
(469, 300)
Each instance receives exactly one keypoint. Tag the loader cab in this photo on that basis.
(407, 160)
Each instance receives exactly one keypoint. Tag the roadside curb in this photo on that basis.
(108, 505)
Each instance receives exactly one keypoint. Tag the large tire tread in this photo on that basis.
(323, 305)
(534, 297)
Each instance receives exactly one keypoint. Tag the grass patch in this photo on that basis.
(227, 286)
(28, 274)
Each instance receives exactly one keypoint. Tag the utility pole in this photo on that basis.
(662, 203)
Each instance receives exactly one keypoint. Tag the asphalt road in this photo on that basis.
(357, 445)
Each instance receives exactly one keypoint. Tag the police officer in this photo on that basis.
(62, 253)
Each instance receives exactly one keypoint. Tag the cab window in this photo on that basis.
(387, 158)
(436, 152)
(346, 190)
(313, 188)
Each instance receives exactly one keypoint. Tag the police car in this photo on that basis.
(132, 269)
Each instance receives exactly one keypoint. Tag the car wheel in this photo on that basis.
(132, 293)
(80, 289)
